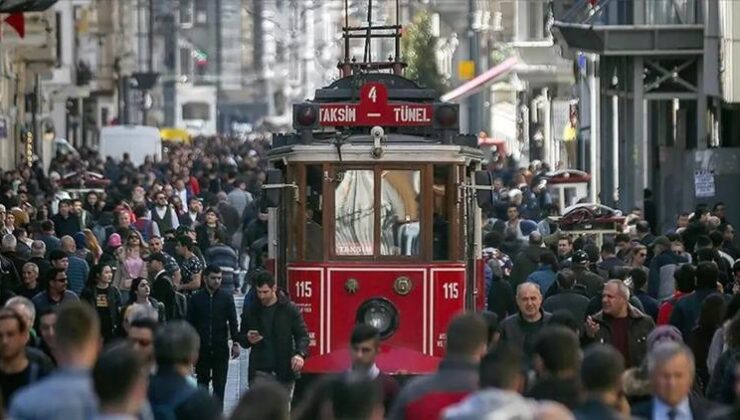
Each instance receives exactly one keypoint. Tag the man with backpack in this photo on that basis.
(146, 226)
(171, 396)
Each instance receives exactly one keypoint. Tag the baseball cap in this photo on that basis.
(580, 257)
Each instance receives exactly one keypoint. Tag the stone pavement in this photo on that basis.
(236, 381)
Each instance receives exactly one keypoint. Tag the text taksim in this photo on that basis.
(346, 114)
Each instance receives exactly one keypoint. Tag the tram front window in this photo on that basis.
(354, 211)
(400, 212)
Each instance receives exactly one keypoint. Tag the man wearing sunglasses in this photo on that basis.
(56, 292)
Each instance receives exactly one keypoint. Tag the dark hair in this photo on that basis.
(95, 272)
(9, 313)
(57, 254)
(642, 226)
(566, 238)
(716, 205)
(707, 274)
(685, 276)
(708, 255)
(566, 278)
(66, 201)
(493, 240)
(593, 252)
(703, 241)
(176, 344)
(263, 278)
(548, 258)
(602, 368)
(682, 214)
(77, 325)
(134, 286)
(558, 347)
(466, 333)
(354, 396)
(564, 318)
(717, 238)
(608, 247)
(501, 368)
(185, 241)
(712, 312)
(140, 210)
(673, 237)
(116, 372)
(145, 322)
(621, 237)
(52, 274)
(639, 278)
(364, 332)
(266, 400)
(47, 226)
(211, 269)
(619, 272)
(736, 266)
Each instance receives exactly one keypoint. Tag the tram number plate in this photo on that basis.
(374, 109)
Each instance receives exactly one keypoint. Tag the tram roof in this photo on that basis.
(361, 153)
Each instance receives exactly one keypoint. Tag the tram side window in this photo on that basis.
(400, 212)
(354, 211)
(441, 217)
(314, 202)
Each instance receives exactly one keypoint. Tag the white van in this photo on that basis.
(137, 140)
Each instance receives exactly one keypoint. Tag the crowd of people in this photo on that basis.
(642, 324)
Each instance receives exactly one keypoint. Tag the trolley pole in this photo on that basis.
(474, 102)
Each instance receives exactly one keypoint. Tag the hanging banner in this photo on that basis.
(704, 183)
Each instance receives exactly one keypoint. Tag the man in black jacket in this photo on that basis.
(213, 314)
(274, 329)
(568, 298)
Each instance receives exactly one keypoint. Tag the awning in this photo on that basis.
(473, 86)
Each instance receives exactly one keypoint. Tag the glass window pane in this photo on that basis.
(314, 205)
(354, 212)
(441, 215)
(400, 212)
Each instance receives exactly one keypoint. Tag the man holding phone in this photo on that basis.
(274, 329)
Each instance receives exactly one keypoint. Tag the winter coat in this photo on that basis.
(639, 327)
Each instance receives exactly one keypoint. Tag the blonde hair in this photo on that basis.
(92, 243)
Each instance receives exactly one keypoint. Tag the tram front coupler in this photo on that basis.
(378, 137)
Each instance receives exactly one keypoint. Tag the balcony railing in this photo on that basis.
(634, 12)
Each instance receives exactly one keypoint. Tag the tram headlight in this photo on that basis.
(446, 116)
(305, 116)
(381, 314)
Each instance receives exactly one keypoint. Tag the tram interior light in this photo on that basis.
(381, 314)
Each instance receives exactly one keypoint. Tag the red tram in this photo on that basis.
(375, 217)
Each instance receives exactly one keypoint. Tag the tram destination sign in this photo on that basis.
(374, 109)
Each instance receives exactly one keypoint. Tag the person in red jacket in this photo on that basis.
(685, 277)
(426, 397)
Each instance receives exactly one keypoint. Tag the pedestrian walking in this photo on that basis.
(212, 313)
